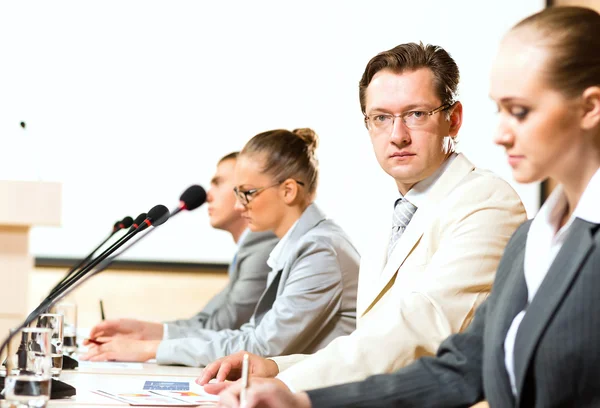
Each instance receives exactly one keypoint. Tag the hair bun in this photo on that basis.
(309, 137)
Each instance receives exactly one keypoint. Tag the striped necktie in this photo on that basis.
(403, 213)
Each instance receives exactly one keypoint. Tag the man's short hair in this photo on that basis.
(410, 57)
(230, 156)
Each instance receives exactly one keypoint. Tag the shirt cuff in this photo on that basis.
(165, 352)
(165, 331)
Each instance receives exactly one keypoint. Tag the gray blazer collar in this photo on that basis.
(310, 218)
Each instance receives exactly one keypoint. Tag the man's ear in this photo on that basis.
(456, 115)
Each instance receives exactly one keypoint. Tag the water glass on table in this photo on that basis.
(28, 381)
(54, 322)
(69, 311)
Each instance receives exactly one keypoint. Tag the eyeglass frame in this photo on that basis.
(402, 115)
(246, 197)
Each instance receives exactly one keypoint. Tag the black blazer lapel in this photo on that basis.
(554, 287)
(512, 301)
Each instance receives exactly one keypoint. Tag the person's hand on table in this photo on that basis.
(230, 368)
(263, 393)
(128, 328)
(121, 349)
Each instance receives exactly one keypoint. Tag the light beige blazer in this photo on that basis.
(441, 269)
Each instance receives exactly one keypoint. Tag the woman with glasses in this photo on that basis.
(310, 297)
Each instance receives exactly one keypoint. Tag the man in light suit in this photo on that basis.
(248, 271)
(425, 276)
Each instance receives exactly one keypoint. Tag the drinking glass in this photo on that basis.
(54, 322)
(69, 311)
(28, 382)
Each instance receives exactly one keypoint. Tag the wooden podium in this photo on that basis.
(23, 204)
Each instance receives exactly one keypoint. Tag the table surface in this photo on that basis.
(119, 377)
(127, 377)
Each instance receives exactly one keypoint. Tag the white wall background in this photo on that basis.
(129, 102)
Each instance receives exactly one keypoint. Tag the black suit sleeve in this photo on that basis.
(451, 379)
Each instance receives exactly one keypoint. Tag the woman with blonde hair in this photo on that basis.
(310, 296)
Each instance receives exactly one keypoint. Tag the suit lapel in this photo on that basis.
(311, 217)
(457, 170)
(554, 287)
(507, 306)
(372, 264)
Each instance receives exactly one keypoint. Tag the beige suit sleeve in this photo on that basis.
(285, 362)
(427, 302)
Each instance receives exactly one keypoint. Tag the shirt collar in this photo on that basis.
(243, 237)
(554, 207)
(276, 252)
(417, 195)
(587, 208)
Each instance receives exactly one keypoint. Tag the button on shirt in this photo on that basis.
(542, 246)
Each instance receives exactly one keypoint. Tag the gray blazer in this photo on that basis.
(557, 362)
(310, 299)
(233, 306)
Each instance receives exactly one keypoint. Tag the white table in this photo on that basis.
(119, 377)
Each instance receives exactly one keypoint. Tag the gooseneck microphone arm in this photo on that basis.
(93, 263)
(119, 225)
(156, 216)
(192, 198)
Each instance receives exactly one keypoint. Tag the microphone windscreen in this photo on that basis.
(158, 215)
(138, 221)
(127, 222)
(193, 197)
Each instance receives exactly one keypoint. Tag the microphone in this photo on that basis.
(125, 223)
(136, 223)
(119, 225)
(158, 215)
(192, 198)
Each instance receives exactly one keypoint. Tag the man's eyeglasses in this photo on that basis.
(384, 122)
(246, 196)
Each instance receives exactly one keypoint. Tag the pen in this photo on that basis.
(244, 381)
(102, 310)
